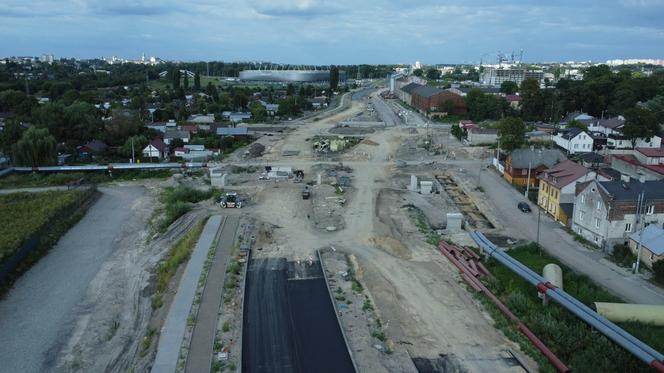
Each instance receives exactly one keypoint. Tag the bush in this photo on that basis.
(658, 270)
(178, 202)
(622, 255)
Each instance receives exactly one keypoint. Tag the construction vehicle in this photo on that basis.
(230, 201)
(306, 192)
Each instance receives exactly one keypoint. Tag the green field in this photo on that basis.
(581, 348)
(17, 180)
(23, 214)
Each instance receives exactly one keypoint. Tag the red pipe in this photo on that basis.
(658, 365)
(478, 285)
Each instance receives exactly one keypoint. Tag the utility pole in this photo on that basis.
(640, 218)
(133, 158)
(539, 214)
(528, 180)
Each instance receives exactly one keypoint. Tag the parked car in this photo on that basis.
(524, 207)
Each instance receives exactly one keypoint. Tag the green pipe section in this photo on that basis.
(625, 312)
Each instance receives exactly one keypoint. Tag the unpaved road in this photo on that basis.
(39, 314)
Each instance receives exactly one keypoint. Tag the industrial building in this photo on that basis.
(495, 76)
(290, 76)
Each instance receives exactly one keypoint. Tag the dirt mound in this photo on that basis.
(368, 142)
(392, 246)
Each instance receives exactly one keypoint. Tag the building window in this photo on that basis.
(628, 227)
(583, 198)
(576, 146)
(599, 205)
(524, 171)
(651, 210)
(581, 214)
(596, 222)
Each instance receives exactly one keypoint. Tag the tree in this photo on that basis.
(532, 100)
(447, 106)
(433, 74)
(258, 112)
(511, 133)
(656, 105)
(640, 123)
(35, 148)
(176, 78)
(576, 124)
(418, 72)
(658, 270)
(139, 143)
(10, 135)
(457, 132)
(509, 87)
(482, 106)
(186, 81)
(334, 77)
(197, 82)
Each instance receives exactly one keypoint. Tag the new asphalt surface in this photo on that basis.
(289, 321)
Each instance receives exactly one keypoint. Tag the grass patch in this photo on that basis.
(178, 201)
(422, 224)
(179, 253)
(24, 214)
(226, 327)
(581, 348)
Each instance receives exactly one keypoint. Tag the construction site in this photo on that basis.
(344, 242)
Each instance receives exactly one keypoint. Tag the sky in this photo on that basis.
(324, 32)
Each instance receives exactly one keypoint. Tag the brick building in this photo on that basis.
(428, 98)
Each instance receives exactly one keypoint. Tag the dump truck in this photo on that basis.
(230, 201)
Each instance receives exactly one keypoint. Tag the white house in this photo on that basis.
(621, 142)
(574, 140)
(155, 149)
(609, 126)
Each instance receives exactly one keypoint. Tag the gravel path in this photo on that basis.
(202, 339)
(37, 315)
(173, 330)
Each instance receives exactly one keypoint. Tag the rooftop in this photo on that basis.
(521, 158)
(652, 238)
(651, 152)
(427, 91)
(629, 191)
(563, 174)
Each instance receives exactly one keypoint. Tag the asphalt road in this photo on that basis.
(202, 339)
(387, 115)
(289, 322)
(561, 245)
(37, 314)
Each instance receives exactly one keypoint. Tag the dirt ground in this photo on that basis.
(426, 310)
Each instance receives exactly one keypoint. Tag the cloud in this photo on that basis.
(295, 8)
(134, 8)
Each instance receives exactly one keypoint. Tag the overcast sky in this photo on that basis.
(334, 32)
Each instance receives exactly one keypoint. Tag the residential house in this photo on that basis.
(579, 117)
(157, 148)
(318, 102)
(574, 140)
(539, 136)
(631, 165)
(201, 118)
(478, 135)
(618, 141)
(558, 188)
(233, 131)
(466, 124)
(514, 101)
(523, 166)
(169, 136)
(650, 156)
(545, 127)
(92, 148)
(236, 116)
(160, 127)
(652, 244)
(591, 160)
(605, 211)
(609, 126)
(271, 109)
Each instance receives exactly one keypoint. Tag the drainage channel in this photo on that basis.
(475, 218)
